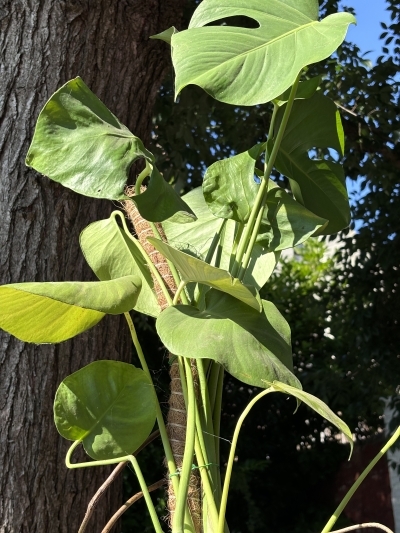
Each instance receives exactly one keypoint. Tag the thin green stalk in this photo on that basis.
(178, 293)
(206, 485)
(217, 240)
(247, 256)
(204, 392)
(138, 472)
(355, 486)
(188, 516)
(206, 422)
(217, 409)
(258, 204)
(228, 474)
(200, 437)
(220, 247)
(160, 419)
(142, 176)
(185, 397)
(203, 459)
(237, 238)
(179, 515)
(238, 234)
(213, 383)
(270, 134)
(146, 494)
(153, 269)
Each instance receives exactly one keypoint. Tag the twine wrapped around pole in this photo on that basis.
(176, 420)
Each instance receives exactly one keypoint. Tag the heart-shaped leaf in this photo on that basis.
(249, 66)
(193, 269)
(319, 185)
(230, 192)
(318, 405)
(111, 254)
(195, 239)
(250, 345)
(161, 202)
(55, 312)
(108, 405)
(79, 143)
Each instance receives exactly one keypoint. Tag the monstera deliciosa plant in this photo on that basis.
(195, 263)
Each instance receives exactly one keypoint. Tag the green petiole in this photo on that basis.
(228, 474)
(132, 459)
(358, 482)
(253, 225)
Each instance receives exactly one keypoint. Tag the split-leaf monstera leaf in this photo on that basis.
(250, 66)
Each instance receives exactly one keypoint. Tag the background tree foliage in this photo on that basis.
(281, 460)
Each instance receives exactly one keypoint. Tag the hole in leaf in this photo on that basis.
(236, 22)
(324, 153)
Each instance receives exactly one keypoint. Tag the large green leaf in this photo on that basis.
(79, 143)
(161, 202)
(195, 239)
(286, 223)
(193, 269)
(111, 254)
(229, 187)
(319, 185)
(55, 312)
(110, 406)
(230, 192)
(318, 405)
(249, 66)
(250, 345)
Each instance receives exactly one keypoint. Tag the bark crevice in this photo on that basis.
(43, 44)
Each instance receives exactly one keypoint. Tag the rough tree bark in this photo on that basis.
(43, 43)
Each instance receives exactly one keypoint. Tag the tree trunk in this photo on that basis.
(43, 43)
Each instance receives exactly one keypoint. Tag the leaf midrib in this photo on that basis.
(300, 28)
(105, 413)
(67, 303)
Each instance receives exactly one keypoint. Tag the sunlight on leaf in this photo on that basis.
(111, 254)
(249, 66)
(192, 269)
(250, 345)
(55, 312)
(79, 143)
(110, 406)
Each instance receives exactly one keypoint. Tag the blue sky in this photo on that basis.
(369, 13)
